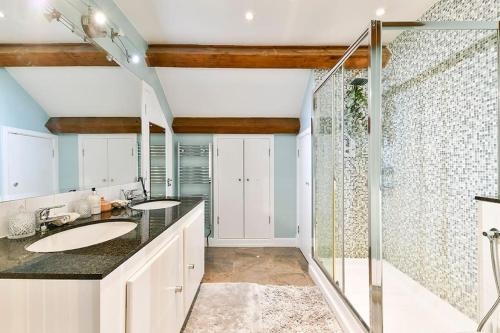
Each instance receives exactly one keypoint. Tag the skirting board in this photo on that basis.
(275, 242)
(343, 314)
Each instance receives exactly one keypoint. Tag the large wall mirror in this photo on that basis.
(62, 128)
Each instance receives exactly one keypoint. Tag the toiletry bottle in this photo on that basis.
(95, 202)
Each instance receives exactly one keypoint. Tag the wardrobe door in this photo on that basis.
(230, 188)
(94, 162)
(122, 161)
(257, 188)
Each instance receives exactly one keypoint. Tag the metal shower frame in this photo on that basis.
(374, 35)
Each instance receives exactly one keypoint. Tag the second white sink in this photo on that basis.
(160, 204)
(82, 236)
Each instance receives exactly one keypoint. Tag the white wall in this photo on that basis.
(9, 208)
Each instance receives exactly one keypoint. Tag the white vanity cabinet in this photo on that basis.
(194, 259)
(154, 293)
(149, 292)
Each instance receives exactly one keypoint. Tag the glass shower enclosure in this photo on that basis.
(402, 144)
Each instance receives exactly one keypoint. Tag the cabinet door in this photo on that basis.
(95, 162)
(122, 160)
(154, 301)
(194, 258)
(257, 188)
(230, 187)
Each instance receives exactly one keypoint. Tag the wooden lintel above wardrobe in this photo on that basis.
(98, 125)
(236, 125)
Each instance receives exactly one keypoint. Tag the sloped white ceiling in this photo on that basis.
(24, 23)
(234, 92)
(82, 91)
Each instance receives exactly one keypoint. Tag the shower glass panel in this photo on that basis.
(355, 191)
(340, 165)
(323, 181)
(439, 150)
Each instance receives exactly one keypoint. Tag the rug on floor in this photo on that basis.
(254, 308)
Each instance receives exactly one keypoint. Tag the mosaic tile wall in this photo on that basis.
(440, 150)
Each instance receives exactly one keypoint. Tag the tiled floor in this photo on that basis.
(277, 266)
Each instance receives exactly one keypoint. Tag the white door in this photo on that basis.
(304, 194)
(154, 299)
(257, 188)
(169, 155)
(94, 162)
(230, 188)
(122, 160)
(30, 164)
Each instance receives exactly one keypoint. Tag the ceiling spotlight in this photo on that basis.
(99, 18)
(135, 59)
(2, 15)
(249, 16)
(109, 58)
(380, 11)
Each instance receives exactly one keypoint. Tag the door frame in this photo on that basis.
(272, 241)
(5, 131)
(300, 136)
(82, 137)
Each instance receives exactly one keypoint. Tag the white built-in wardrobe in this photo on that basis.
(243, 187)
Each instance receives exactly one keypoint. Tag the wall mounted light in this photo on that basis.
(2, 15)
(99, 18)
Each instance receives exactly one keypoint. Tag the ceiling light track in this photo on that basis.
(95, 25)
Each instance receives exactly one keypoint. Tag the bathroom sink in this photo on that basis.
(159, 204)
(82, 236)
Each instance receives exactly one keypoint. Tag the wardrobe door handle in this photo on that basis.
(191, 266)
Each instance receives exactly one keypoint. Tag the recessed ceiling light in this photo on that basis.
(249, 16)
(99, 18)
(380, 12)
(135, 59)
(2, 15)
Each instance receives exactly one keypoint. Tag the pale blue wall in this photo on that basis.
(285, 186)
(285, 222)
(307, 106)
(68, 162)
(17, 108)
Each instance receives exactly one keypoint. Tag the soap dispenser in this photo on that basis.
(95, 202)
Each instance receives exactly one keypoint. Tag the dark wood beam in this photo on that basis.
(98, 125)
(236, 125)
(79, 54)
(232, 56)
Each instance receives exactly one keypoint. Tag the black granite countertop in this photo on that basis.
(92, 262)
(496, 200)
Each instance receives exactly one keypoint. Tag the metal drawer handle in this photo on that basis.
(191, 266)
(178, 289)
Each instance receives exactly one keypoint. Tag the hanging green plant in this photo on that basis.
(356, 119)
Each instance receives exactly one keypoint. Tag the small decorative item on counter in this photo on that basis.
(63, 218)
(105, 205)
(119, 203)
(82, 207)
(95, 202)
(22, 224)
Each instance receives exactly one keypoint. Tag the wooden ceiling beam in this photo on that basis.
(65, 54)
(236, 125)
(98, 125)
(233, 56)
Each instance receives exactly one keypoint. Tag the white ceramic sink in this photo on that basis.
(160, 204)
(82, 236)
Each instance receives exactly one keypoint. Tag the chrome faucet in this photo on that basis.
(43, 216)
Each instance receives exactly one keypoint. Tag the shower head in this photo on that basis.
(359, 81)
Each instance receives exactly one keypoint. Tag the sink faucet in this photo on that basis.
(43, 216)
(141, 179)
